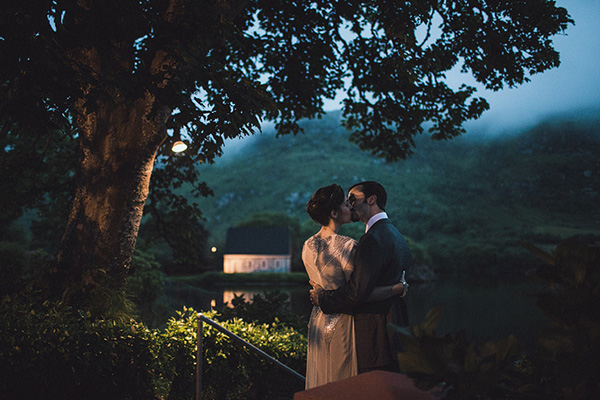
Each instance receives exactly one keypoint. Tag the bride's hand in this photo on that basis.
(314, 292)
(315, 285)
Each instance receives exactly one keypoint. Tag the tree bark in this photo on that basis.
(119, 143)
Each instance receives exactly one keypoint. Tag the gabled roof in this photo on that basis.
(264, 241)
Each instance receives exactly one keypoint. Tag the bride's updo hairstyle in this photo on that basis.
(325, 200)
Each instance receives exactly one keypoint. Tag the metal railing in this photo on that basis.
(201, 320)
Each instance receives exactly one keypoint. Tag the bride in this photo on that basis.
(328, 259)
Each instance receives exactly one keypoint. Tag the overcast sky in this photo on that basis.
(571, 87)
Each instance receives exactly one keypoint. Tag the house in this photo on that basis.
(257, 250)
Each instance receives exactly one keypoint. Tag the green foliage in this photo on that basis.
(54, 352)
(171, 221)
(229, 370)
(566, 364)
(145, 284)
(465, 370)
(569, 356)
(13, 264)
(272, 307)
(20, 267)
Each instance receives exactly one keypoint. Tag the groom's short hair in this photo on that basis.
(370, 188)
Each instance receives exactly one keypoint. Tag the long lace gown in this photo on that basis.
(331, 353)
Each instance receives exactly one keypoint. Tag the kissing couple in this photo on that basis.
(358, 287)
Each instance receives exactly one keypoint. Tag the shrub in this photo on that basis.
(48, 351)
(568, 361)
(145, 284)
(465, 370)
(272, 307)
(229, 370)
(13, 265)
(53, 352)
(566, 364)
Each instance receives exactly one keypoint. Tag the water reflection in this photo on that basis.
(486, 311)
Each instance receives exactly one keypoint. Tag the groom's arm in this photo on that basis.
(367, 268)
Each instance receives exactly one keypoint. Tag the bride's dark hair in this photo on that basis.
(325, 200)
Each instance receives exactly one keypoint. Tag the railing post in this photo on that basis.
(199, 358)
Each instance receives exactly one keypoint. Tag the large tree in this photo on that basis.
(125, 78)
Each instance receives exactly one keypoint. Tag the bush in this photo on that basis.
(52, 352)
(272, 307)
(568, 360)
(229, 370)
(566, 364)
(145, 284)
(13, 266)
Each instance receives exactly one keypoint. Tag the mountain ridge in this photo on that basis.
(450, 197)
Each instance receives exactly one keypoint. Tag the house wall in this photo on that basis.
(235, 263)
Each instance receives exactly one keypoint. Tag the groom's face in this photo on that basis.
(358, 203)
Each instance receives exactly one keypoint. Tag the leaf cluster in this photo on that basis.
(270, 307)
(220, 67)
(230, 370)
(462, 370)
(565, 365)
(570, 346)
(55, 352)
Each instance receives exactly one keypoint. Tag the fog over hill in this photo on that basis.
(537, 185)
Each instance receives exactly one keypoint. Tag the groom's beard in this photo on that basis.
(354, 216)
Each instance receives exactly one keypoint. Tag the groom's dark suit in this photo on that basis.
(381, 256)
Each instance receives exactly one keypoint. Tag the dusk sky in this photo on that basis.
(569, 88)
(573, 86)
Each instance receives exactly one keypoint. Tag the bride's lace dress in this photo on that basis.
(331, 353)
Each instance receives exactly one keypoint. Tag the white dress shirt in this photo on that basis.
(375, 218)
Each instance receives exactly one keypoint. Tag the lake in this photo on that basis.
(485, 310)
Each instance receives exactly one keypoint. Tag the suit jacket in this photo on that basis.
(381, 256)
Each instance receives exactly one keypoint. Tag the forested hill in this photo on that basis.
(464, 202)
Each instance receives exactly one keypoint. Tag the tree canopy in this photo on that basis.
(221, 66)
(125, 79)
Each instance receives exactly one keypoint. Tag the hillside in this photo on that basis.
(466, 202)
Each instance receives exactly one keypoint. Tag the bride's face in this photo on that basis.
(344, 213)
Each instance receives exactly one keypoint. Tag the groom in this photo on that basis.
(381, 256)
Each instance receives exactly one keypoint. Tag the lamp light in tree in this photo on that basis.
(179, 146)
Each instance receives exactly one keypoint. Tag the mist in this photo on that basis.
(569, 91)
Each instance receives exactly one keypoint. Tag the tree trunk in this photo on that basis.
(118, 144)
